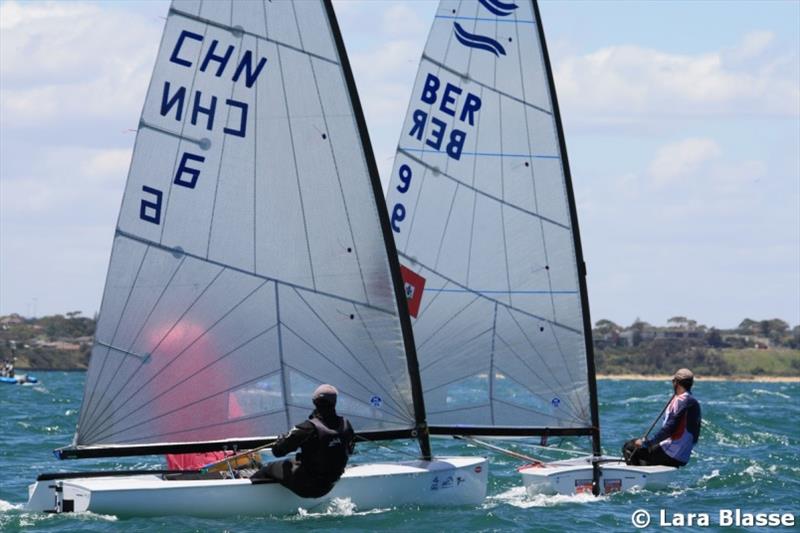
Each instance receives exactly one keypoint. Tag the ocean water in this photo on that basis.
(748, 458)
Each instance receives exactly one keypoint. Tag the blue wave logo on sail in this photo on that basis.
(480, 42)
(498, 8)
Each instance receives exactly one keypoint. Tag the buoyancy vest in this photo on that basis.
(327, 454)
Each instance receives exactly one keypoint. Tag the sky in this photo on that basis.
(682, 122)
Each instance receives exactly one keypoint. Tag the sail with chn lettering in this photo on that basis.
(252, 258)
(481, 205)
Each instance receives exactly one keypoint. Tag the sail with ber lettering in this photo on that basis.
(483, 214)
(250, 261)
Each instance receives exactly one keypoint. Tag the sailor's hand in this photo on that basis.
(638, 443)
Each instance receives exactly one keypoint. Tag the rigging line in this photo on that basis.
(239, 30)
(479, 191)
(347, 348)
(541, 380)
(89, 403)
(383, 360)
(333, 364)
(187, 378)
(466, 76)
(92, 416)
(222, 153)
(454, 350)
(335, 163)
(207, 426)
(536, 351)
(146, 125)
(175, 163)
(119, 411)
(99, 422)
(254, 274)
(481, 295)
(296, 171)
(446, 322)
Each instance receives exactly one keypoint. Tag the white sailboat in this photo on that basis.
(482, 207)
(252, 261)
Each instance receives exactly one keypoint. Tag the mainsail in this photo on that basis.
(483, 214)
(252, 259)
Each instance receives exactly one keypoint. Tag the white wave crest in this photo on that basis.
(8, 506)
(336, 507)
(707, 477)
(518, 497)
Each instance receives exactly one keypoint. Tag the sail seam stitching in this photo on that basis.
(233, 30)
(479, 191)
(549, 321)
(467, 77)
(254, 274)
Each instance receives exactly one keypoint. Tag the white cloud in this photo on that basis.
(621, 84)
(107, 163)
(679, 160)
(73, 61)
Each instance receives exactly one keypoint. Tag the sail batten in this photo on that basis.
(250, 260)
(482, 213)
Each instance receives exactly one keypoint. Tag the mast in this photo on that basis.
(421, 429)
(587, 323)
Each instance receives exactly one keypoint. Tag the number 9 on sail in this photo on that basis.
(398, 215)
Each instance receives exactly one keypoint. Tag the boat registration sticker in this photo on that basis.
(612, 485)
(583, 485)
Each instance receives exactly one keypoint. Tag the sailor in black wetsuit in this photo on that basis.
(326, 440)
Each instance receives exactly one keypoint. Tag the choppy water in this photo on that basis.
(748, 458)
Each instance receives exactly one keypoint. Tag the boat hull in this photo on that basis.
(441, 482)
(18, 380)
(575, 476)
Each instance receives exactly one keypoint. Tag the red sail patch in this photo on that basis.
(414, 285)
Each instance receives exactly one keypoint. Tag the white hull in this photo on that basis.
(442, 482)
(575, 476)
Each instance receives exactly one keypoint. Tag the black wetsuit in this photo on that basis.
(325, 441)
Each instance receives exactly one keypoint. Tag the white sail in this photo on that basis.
(248, 263)
(479, 202)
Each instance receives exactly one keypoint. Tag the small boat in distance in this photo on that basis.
(252, 261)
(484, 217)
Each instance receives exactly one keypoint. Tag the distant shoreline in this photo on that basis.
(666, 377)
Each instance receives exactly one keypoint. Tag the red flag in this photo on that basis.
(414, 285)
